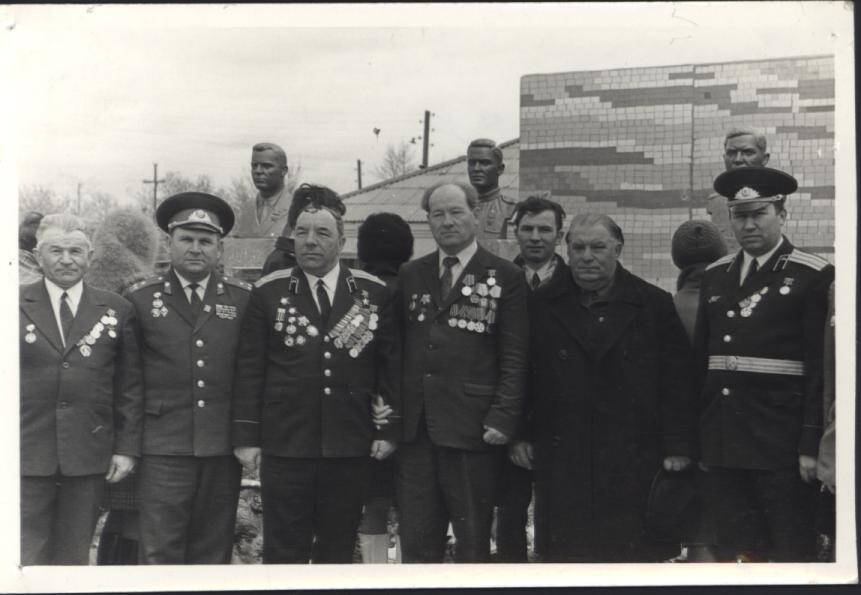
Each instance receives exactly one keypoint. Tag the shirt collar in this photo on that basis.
(761, 260)
(74, 292)
(330, 279)
(545, 271)
(463, 257)
(185, 282)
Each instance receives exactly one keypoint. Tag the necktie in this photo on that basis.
(196, 303)
(751, 271)
(536, 280)
(445, 281)
(66, 316)
(323, 299)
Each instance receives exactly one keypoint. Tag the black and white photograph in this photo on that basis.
(494, 295)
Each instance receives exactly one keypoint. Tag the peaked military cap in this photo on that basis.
(195, 210)
(754, 184)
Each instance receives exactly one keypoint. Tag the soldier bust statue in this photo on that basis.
(484, 165)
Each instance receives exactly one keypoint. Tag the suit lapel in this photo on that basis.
(36, 304)
(429, 272)
(735, 292)
(563, 303)
(89, 312)
(177, 300)
(624, 306)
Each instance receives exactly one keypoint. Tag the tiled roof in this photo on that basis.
(402, 194)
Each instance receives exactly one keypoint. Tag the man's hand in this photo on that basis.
(807, 468)
(381, 449)
(379, 412)
(120, 467)
(676, 463)
(493, 436)
(249, 456)
(520, 453)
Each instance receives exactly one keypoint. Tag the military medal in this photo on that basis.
(303, 321)
(279, 326)
(495, 291)
(730, 313)
(354, 353)
(745, 312)
(288, 341)
(452, 322)
(291, 330)
(787, 284)
(466, 290)
(479, 326)
(86, 351)
(155, 313)
(312, 330)
(300, 340)
(112, 333)
(30, 337)
(421, 317)
(755, 297)
(491, 277)
(461, 323)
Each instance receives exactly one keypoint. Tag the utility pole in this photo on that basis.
(155, 182)
(426, 140)
(359, 170)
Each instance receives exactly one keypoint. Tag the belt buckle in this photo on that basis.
(731, 363)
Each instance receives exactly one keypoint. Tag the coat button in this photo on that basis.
(563, 354)
(199, 343)
(724, 391)
(327, 355)
(327, 391)
(66, 365)
(727, 338)
(327, 372)
(200, 363)
(201, 403)
(201, 384)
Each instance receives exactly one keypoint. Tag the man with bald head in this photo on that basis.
(465, 341)
(608, 405)
(266, 216)
(318, 345)
(81, 397)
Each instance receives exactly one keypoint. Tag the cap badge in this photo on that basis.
(747, 192)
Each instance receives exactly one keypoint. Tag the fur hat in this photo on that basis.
(696, 242)
(385, 237)
(124, 250)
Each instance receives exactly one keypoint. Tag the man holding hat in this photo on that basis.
(759, 346)
(190, 317)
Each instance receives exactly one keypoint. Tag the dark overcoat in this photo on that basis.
(609, 399)
(311, 396)
(188, 363)
(81, 403)
(463, 379)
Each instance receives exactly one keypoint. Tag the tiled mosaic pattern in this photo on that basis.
(644, 145)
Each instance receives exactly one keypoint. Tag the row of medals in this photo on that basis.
(356, 329)
(293, 324)
(749, 304)
(477, 318)
(109, 321)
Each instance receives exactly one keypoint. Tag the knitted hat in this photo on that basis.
(385, 237)
(696, 242)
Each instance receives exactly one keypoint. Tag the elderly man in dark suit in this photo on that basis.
(318, 345)
(188, 485)
(465, 353)
(610, 402)
(81, 401)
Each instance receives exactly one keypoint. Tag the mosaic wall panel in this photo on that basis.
(644, 145)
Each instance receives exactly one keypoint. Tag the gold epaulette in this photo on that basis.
(816, 263)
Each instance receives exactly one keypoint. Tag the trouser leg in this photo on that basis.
(166, 492)
(213, 514)
(512, 513)
(75, 521)
(287, 492)
(38, 498)
(341, 486)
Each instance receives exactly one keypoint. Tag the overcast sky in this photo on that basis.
(101, 95)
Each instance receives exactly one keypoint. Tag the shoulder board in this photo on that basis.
(238, 283)
(279, 274)
(365, 275)
(721, 261)
(145, 283)
(807, 259)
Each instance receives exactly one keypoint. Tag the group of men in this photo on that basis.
(480, 376)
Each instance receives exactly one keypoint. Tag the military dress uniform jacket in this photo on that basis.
(188, 363)
(465, 357)
(304, 389)
(81, 403)
(759, 349)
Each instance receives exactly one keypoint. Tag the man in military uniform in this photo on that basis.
(188, 484)
(759, 346)
(318, 346)
(81, 401)
(742, 147)
(266, 216)
(465, 348)
(484, 166)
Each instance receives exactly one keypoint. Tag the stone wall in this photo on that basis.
(644, 144)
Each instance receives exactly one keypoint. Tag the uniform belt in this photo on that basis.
(761, 365)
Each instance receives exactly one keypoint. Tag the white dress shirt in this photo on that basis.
(545, 271)
(760, 260)
(330, 283)
(55, 292)
(463, 258)
(201, 286)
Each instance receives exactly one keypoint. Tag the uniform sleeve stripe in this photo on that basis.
(280, 274)
(365, 275)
